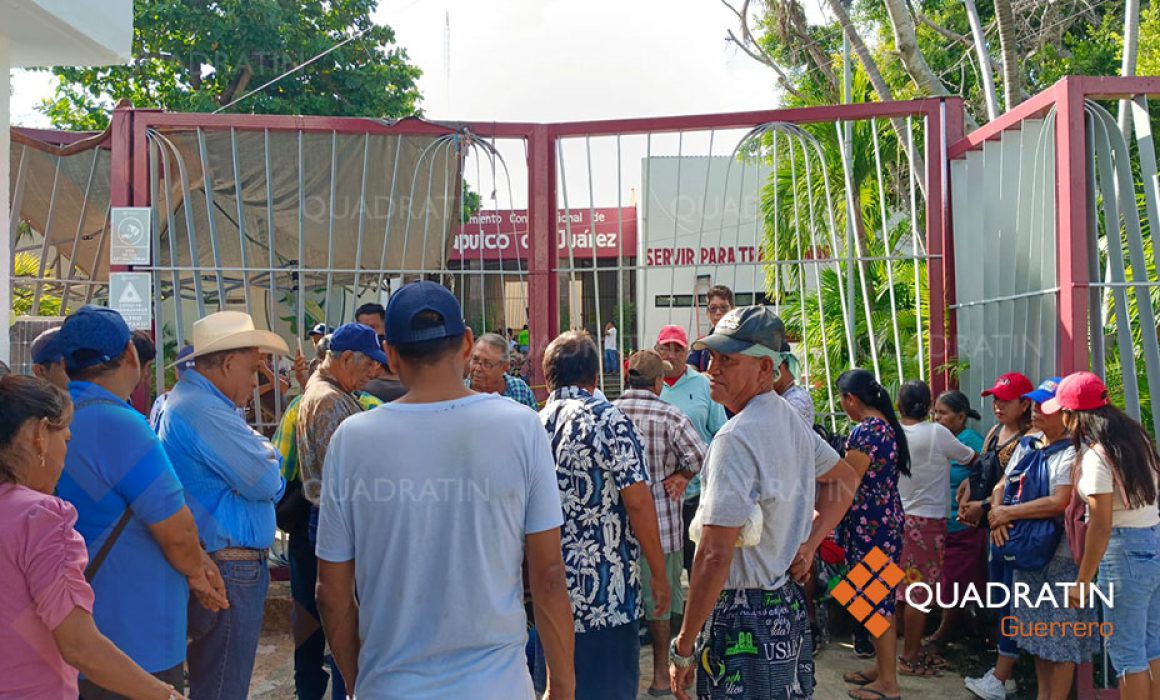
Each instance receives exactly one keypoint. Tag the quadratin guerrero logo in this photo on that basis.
(866, 585)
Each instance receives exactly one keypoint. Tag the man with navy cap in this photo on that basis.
(432, 531)
(47, 362)
(130, 504)
(748, 599)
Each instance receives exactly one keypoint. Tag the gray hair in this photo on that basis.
(498, 342)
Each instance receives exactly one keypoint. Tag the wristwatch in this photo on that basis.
(679, 661)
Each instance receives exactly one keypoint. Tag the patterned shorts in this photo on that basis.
(923, 546)
(758, 646)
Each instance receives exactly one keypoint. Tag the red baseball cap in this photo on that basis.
(1079, 391)
(673, 334)
(1010, 386)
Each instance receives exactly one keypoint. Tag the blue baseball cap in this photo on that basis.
(403, 326)
(46, 347)
(92, 336)
(1045, 391)
(184, 364)
(358, 338)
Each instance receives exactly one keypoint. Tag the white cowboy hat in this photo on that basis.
(232, 330)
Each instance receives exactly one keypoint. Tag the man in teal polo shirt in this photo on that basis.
(688, 390)
(116, 468)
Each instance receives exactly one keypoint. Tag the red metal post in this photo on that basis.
(953, 113)
(1071, 226)
(543, 287)
(123, 191)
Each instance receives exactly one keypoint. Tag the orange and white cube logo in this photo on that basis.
(865, 586)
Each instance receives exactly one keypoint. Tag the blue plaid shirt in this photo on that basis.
(517, 390)
(598, 453)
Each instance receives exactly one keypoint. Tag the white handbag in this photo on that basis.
(749, 536)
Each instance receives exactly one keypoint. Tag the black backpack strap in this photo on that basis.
(103, 553)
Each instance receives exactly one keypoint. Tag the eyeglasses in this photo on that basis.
(486, 364)
(720, 308)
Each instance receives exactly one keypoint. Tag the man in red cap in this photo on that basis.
(688, 390)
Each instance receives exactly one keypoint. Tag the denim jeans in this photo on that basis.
(1131, 566)
(222, 645)
(610, 361)
(1001, 573)
(309, 657)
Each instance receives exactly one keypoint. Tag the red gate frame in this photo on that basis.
(943, 119)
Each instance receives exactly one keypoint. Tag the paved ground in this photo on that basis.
(274, 670)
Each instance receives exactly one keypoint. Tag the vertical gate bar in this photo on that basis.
(1095, 298)
(887, 251)
(914, 241)
(936, 245)
(700, 232)
(155, 234)
(1102, 183)
(300, 283)
(215, 248)
(596, 262)
(1071, 225)
(642, 243)
(242, 248)
(72, 257)
(676, 226)
(777, 238)
(758, 226)
(543, 288)
(326, 312)
(47, 234)
(812, 227)
(362, 213)
(572, 312)
(171, 223)
(620, 265)
(271, 262)
(390, 214)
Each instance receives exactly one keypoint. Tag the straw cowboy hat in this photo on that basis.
(232, 330)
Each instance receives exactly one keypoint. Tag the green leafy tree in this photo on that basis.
(195, 56)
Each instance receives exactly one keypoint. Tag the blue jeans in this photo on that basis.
(610, 361)
(1001, 573)
(222, 645)
(1131, 565)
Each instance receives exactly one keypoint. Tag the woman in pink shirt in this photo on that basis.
(46, 623)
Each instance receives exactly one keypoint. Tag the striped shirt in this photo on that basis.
(672, 444)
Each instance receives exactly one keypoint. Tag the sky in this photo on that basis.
(554, 60)
(559, 60)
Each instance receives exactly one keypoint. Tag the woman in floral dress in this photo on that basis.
(878, 451)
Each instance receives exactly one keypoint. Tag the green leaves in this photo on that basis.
(191, 56)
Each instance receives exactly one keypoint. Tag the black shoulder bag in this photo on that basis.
(103, 553)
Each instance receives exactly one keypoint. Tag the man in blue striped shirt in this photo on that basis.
(489, 364)
(232, 481)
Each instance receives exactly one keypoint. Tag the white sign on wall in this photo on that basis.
(132, 236)
(131, 295)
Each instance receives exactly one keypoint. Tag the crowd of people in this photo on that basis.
(451, 537)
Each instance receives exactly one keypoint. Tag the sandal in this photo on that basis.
(858, 678)
(918, 669)
(857, 694)
(931, 659)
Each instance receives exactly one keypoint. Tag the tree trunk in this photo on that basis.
(917, 162)
(1012, 79)
(986, 77)
(906, 42)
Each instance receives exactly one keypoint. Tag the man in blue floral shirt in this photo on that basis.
(609, 517)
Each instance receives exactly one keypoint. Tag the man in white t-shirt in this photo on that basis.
(432, 532)
(611, 358)
(765, 458)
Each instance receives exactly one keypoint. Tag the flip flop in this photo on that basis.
(858, 678)
(917, 669)
(933, 660)
(660, 692)
(874, 694)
